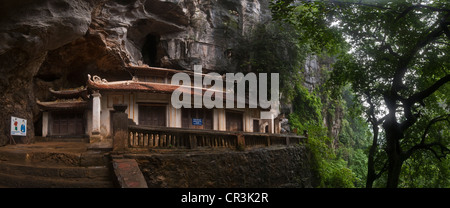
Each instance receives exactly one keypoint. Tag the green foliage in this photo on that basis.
(429, 168)
(423, 170)
(333, 171)
(306, 105)
(345, 166)
(338, 175)
(399, 57)
(315, 32)
(276, 48)
(272, 48)
(354, 137)
(357, 162)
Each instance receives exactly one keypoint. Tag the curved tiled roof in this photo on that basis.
(62, 105)
(133, 86)
(70, 94)
(148, 87)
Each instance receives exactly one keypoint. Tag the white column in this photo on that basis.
(272, 125)
(45, 124)
(270, 117)
(174, 116)
(96, 109)
(248, 121)
(222, 120)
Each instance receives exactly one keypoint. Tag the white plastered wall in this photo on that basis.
(107, 101)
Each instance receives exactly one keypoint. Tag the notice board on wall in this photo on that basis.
(18, 126)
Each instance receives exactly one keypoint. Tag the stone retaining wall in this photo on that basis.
(257, 168)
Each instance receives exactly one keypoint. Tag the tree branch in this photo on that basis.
(433, 8)
(391, 51)
(410, 8)
(423, 146)
(431, 123)
(404, 13)
(445, 29)
(410, 118)
(444, 150)
(382, 169)
(420, 96)
(381, 120)
(358, 3)
(407, 58)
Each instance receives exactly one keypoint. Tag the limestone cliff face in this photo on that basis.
(56, 43)
(28, 30)
(187, 32)
(315, 76)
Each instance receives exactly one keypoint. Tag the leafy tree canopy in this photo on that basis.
(395, 54)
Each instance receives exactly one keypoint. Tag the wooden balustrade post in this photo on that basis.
(151, 140)
(240, 142)
(192, 141)
(157, 140)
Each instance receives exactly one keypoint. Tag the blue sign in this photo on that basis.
(197, 121)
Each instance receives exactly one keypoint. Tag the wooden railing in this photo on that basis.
(165, 137)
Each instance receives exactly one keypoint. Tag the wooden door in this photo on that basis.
(152, 115)
(234, 121)
(67, 124)
(255, 125)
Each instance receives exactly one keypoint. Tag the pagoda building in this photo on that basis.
(88, 111)
(65, 116)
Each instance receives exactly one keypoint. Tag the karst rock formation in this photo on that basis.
(56, 43)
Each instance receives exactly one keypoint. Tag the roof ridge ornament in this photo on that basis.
(97, 80)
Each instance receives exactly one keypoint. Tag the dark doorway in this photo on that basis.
(111, 122)
(234, 121)
(38, 126)
(255, 125)
(150, 50)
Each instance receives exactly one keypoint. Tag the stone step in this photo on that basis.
(54, 171)
(27, 181)
(62, 139)
(56, 158)
(55, 165)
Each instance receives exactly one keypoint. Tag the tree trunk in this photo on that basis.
(393, 150)
(371, 175)
(394, 169)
